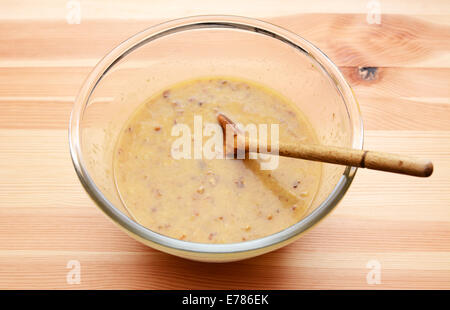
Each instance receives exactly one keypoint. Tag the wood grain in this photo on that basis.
(46, 218)
(408, 39)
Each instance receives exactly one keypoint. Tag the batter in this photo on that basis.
(217, 200)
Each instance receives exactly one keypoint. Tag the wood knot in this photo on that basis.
(368, 73)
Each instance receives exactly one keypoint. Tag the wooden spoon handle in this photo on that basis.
(334, 155)
(359, 158)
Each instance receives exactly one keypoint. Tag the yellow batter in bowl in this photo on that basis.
(213, 200)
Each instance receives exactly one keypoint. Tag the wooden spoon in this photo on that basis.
(334, 155)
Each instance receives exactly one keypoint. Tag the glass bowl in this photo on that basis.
(206, 46)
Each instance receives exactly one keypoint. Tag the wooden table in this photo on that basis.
(403, 223)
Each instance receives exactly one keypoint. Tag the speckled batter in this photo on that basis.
(217, 200)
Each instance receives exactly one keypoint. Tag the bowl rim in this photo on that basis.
(211, 21)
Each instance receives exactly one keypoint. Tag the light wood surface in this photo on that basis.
(46, 218)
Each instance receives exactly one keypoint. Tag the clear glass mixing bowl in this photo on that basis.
(205, 46)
